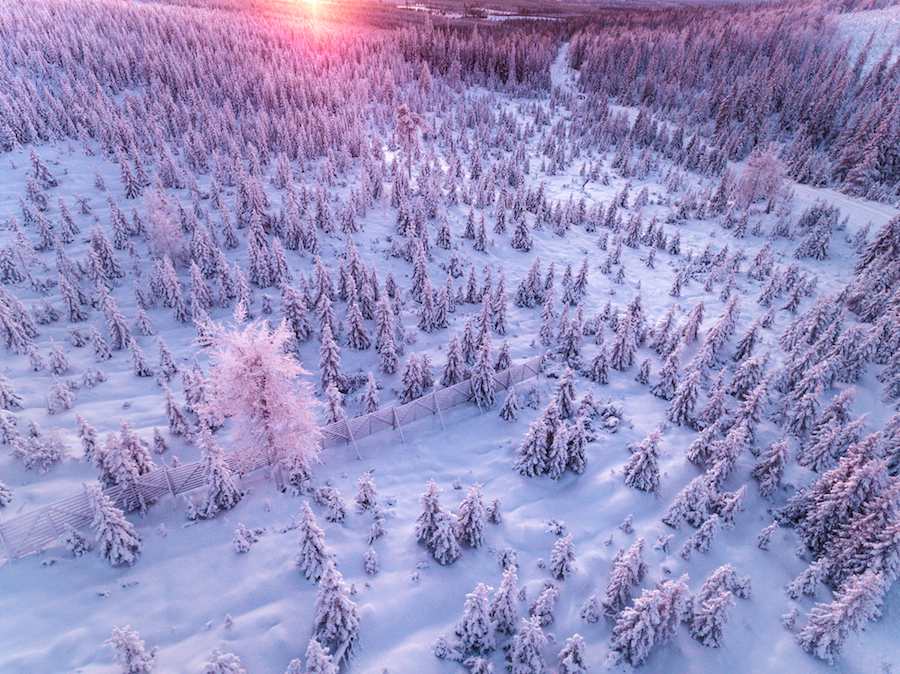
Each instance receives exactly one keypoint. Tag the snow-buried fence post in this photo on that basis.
(437, 408)
(352, 439)
(5, 545)
(397, 423)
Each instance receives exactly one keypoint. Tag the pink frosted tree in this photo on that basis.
(256, 382)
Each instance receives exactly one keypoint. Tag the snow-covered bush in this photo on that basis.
(130, 654)
(243, 539)
(74, 541)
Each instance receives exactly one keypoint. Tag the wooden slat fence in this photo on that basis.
(41, 528)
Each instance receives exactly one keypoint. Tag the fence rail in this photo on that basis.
(41, 528)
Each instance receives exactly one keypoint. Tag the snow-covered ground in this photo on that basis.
(881, 26)
(190, 592)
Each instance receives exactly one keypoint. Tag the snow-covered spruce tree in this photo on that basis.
(521, 239)
(178, 423)
(642, 471)
(576, 444)
(643, 373)
(159, 442)
(223, 663)
(357, 336)
(598, 371)
(60, 398)
(73, 540)
(431, 506)
(708, 621)
(255, 381)
(135, 449)
(139, 364)
(729, 504)
(525, 655)
(624, 344)
(130, 654)
(475, 631)
(651, 621)
(471, 518)
(504, 610)
(565, 394)
(590, 610)
(831, 442)
(370, 561)
(413, 382)
(370, 401)
(117, 540)
(221, 492)
(167, 366)
(629, 569)
(243, 539)
(312, 555)
(681, 407)
(510, 409)
(387, 354)
(333, 401)
(562, 557)
(667, 382)
(295, 310)
(483, 376)
(830, 506)
(117, 467)
(435, 527)
(749, 375)
(807, 583)
(529, 291)
(5, 495)
(726, 453)
(444, 546)
(318, 661)
(857, 602)
(693, 503)
(702, 448)
(572, 656)
(558, 454)
(548, 314)
(769, 469)
(9, 434)
(329, 359)
(702, 538)
(337, 618)
(533, 455)
(455, 367)
(498, 301)
(367, 496)
(504, 359)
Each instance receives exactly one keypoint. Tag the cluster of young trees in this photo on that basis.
(554, 443)
(491, 617)
(442, 534)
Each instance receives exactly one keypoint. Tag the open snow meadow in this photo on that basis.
(349, 337)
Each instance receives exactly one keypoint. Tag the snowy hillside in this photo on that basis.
(877, 29)
(223, 230)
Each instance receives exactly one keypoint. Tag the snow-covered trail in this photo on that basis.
(860, 211)
(561, 75)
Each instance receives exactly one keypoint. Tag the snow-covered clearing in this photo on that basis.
(881, 26)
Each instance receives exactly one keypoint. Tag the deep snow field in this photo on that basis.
(190, 592)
